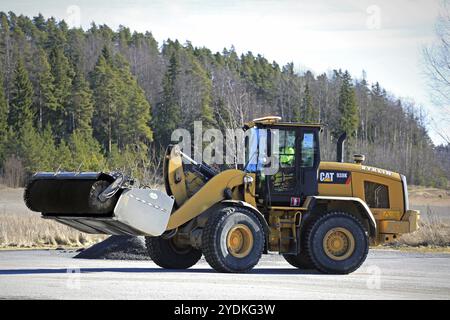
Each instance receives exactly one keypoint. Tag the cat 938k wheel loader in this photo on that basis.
(318, 215)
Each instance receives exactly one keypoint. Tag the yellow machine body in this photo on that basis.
(194, 198)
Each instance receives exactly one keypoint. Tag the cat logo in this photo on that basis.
(326, 176)
(335, 176)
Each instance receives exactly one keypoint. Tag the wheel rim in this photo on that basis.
(339, 244)
(240, 241)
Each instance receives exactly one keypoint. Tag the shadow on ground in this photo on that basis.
(269, 271)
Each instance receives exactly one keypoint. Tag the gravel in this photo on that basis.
(117, 248)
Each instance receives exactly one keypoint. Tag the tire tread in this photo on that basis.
(319, 221)
(209, 239)
(160, 257)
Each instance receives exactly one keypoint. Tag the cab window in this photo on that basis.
(285, 180)
(307, 150)
(287, 148)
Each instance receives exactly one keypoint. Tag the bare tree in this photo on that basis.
(437, 64)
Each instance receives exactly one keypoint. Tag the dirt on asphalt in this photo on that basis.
(117, 248)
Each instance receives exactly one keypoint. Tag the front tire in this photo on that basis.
(167, 254)
(233, 240)
(337, 243)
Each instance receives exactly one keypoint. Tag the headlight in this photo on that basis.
(405, 192)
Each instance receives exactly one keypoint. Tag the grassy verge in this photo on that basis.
(31, 231)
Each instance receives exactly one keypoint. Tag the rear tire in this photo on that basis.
(337, 243)
(233, 240)
(166, 254)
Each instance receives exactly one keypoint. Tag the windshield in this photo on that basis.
(254, 156)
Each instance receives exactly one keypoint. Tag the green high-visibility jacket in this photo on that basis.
(288, 155)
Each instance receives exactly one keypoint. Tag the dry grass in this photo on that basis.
(432, 233)
(427, 192)
(31, 231)
(22, 228)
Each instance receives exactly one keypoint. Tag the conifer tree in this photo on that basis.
(133, 159)
(46, 102)
(81, 105)
(137, 116)
(39, 22)
(297, 113)
(63, 157)
(122, 113)
(36, 150)
(310, 111)
(3, 121)
(75, 51)
(6, 53)
(168, 114)
(63, 74)
(347, 106)
(86, 152)
(134, 112)
(106, 97)
(21, 98)
(48, 150)
(207, 115)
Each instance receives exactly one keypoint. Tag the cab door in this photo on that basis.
(298, 160)
(309, 161)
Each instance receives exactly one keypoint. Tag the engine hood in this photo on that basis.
(361, 168)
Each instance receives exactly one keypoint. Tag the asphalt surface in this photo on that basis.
(386, 274)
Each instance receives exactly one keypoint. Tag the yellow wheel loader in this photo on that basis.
(318, 215)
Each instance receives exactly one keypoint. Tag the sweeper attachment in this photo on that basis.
(96, 202)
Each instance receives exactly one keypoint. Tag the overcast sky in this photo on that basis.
(382, 37)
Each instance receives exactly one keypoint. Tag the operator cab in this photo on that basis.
(285, 158)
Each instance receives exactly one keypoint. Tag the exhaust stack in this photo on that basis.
(340, 148)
